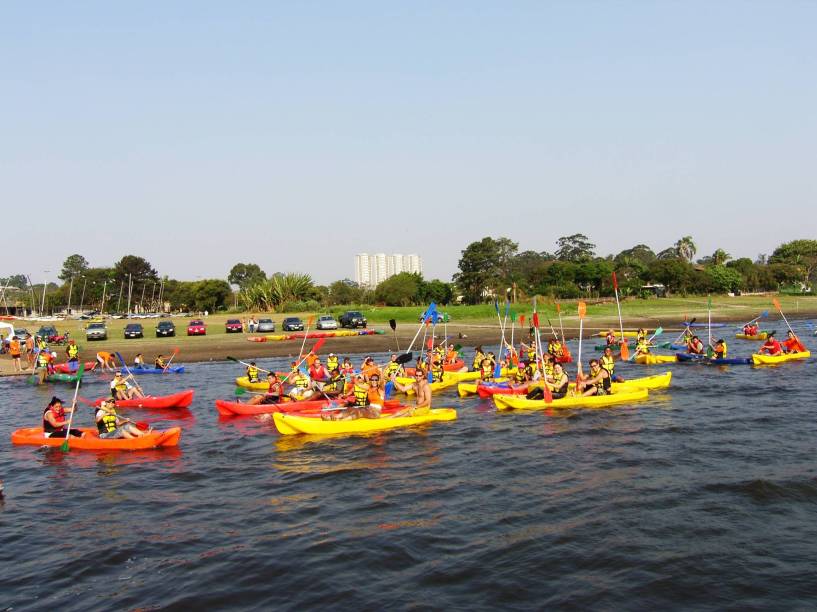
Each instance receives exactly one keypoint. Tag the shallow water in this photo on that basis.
(704, 497)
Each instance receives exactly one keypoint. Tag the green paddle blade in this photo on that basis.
(239, 391)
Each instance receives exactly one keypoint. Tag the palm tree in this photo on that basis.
(686, 248)
(720, 257)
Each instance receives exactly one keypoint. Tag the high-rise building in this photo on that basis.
(371, 270)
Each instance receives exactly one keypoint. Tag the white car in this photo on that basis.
(327, 322)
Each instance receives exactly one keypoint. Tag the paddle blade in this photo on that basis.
(615, 282)
(388, 390)
(558, 308)
(658, 332)
(318, 345)
(239, 391)
(65, 448)
(393, 324)
(405, 358)
(430, 343)
(764, 314)
(496, 307)
(548, 395)
(625, 350)
(536, 320)
(582, 309)
(522, 320)
(232, 359)
(776, 303)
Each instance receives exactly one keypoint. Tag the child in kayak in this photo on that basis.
(111, 426)
(599, 382)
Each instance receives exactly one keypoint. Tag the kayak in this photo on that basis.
(703, 359)
(71, 367)
(760, 336)
(435, 386)
(657, 381)
(178, 400)
(243, 381)
(769, 359)
(671, 346)
(650, 359)
(66, 378)
(627, 333)
(154, 439)
(228, 408)
(149, 370)
(685, 324)
(289, 424)
(475, 375)
(517, 402)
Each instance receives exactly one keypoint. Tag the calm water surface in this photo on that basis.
(704, 498)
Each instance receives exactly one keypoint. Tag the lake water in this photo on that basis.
(705, 497)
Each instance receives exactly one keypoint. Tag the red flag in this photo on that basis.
(615, 282)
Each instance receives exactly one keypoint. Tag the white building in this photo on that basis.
(371, 270)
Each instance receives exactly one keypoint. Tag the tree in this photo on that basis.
(640, 252)
(801, 253)
(16, 280)
(686, 248)
(74, 265)
(341, 292)
(210, 294)
(399, 290)
(668, 253)
(720, 257)
(723, 279)
(138, 268)
(437, 291)
(277, 292)
(674, 274)
(484, 265)
(576, 248)
(244, 275)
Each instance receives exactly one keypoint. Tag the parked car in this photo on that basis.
(292, 324)
(134, 330)
(352, 318)
(165, 328)
(327, 322)
(233, 326)
(20, 333)
(265, 325)
(47, 331)
(196, 328)
(96, 331)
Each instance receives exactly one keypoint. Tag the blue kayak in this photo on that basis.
(689, 358)
(146, 370)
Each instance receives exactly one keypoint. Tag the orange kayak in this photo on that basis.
(311, 407)
(178, 400)
(34, 436)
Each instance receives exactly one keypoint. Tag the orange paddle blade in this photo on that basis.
(625, 350)
(558, 308)
(310, 320)
(582, 310)
(776, 303)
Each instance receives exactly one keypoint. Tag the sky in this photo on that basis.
(295, 135)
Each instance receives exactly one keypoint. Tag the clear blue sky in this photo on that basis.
(294, 135)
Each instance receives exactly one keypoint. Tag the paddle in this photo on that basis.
(432, 308)
(498, 366)
(763, 315)
(314, 350)
(658, 332)
(143, 425)
(167, 365)
(582, 307)
(710, 351)
(625, 351)
(130, 375)
(309, 321)
(688, 325)
(244, 363)
(537, 340)
(65, 445)
(393, 325)
(776, 303)
(561, 325)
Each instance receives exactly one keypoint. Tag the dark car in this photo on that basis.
(292, 324)
(233, 326)
(165, 328)
(134, 330)
(47, 331)
(352, 318)
(266, 325)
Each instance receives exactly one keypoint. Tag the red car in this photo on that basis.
(233, 325)
(196, 328)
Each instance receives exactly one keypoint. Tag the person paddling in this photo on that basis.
(720, 349)
(121, 389)
(275, 389)
(252, 372)
(695, 346)
(368, 401)
(558, 386)
(159, 362)
(792, 343)
(111, 426)
(771, 346)
(54, 421)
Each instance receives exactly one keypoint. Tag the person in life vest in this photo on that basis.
(597, 383)
(641, 335)
(486, 370)
(332, 362)
(335, 385)
(394, 368)
(720, 349)
(139, 361)
(301, 384)
(695, 346)
(111, 426)
(121, 389)
(275, 390)
(479, 355)
(422, 396)
(771, 346)
(159, 363)
(54, 421)
(437, 371)
(346, 368)
(106, 361)
(42, 345)
(252, 372)
(44, 365)
(610, 338)
(72, 351)
(792, 343)
(368, 401)
(369, 368)
(555, 348)
(642, 347)
(318, 374)
(452, 355)
(608, 362)
(528, 350)
(750, 329)
(558, 386)
(15, 350)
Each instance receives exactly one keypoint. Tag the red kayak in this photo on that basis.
(182, 399)
(71, 368)
(489, 390)
(304, 407)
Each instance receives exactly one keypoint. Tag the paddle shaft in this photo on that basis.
(167, 365)
(247, 364)
(66, 444)
(130, 374)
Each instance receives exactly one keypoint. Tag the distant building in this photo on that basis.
(373, 269)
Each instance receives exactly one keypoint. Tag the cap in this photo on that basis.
(331, 354)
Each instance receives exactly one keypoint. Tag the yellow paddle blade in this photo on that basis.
(582, 310)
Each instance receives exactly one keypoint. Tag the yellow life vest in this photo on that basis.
(608, 363)
(478, 357)
(123, 386)
(531, 353)
(252, 374)
(107, 424)
(643, 347)
(361, 395)
(332, 363)
(436, 374)
(392, 368)
(333, 384)
(486, 372)
(555, 348)
(548, 369)
(73, 351)
(42, 359)
(299, 379)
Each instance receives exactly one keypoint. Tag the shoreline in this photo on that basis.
(218, 347)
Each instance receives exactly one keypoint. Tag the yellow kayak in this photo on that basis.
(650, 359)
(760, 336)
(471, 376)
(519, 402)
(243, 381)
(435, 386)
(627, 333)
(290, 424)
(769, 359)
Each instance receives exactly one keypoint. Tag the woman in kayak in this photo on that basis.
(54, 421)
(610, 338)
(111, 426)
(479, 355)
(368, 401)
(792, 343)
(275, 389)
(771, 346)
(599, 382)
(695, 346)
(750, 329)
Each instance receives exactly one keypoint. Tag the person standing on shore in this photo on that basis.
(72, 351)
(15, 350)
(29, 346)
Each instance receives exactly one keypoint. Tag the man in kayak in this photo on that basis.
(335, 385)
(792, 343)
(106, 361)
(122, 389)
(720, 349)
(159, 363)
(608, 361)
(275, 389)
(111, 426)
(558, 386)
(598, 382)
(422, 395)
(54, 421)
(72, 352)
(771, 346)
(318, 374)
(695, 346)
(252, 372)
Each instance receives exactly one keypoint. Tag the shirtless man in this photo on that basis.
(422, 395)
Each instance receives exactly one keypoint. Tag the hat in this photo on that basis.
(53, 353)
(331, 354)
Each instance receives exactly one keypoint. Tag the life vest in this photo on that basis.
(604, 383)
(642, 347)
(299, 379)
(521, 375)
(721, 354)
(486, 372)
(610, 339)
(451, 356)
(373, 396)
(59, 415)
(529, 370)
(41, 344)
(347, 368)
(361, 395)
(565, 384)
(608, 363)
(14, 346)
(73, 351)
(531, 353)
(43, 359)
(319, 375)
(334, 384)
(392, 368)
(478, 357)
(555, 348)
(160, 364)
(121, 386)
(107, 423)
(436, 373)
(332, 363)
(547, 368)
(252, 374)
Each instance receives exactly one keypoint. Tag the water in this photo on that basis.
(704, 498)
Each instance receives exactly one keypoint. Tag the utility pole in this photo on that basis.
(104, 286)
(161, 295)
(119, 301)
(33, 297)
(130, 292)
(70, 291)
(45, 286)
(142, 299)
(152, 295)
(82, 299)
